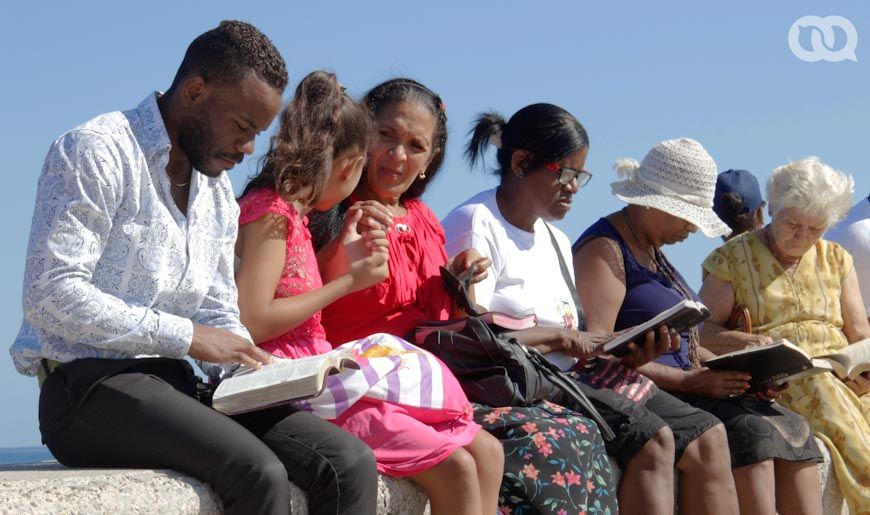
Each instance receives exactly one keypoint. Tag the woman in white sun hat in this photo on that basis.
(624, 278)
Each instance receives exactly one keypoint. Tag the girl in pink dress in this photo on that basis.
(410, 409)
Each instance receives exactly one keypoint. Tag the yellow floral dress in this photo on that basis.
(805, 308)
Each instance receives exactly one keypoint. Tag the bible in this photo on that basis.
(773, 364)
(680, 317)
(251, 389)
(852, 361)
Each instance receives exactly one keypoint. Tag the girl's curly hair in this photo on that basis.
(320, 123)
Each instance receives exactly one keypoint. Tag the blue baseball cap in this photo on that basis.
(741, 183)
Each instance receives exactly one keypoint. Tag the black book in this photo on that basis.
(773, 364)
(680, 317)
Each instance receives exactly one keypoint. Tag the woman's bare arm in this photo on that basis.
(718, 295)
(262, 246)
(856, 325)
(600, 280)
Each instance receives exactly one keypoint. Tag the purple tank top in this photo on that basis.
(647, 293)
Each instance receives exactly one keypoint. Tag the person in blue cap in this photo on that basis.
(738, 202)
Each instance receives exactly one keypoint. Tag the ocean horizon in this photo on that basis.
(19, 455)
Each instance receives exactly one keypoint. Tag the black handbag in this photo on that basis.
(495, 369)
(492, 369)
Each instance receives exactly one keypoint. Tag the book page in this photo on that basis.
(279, 372)
(681, 316)
(853, 360)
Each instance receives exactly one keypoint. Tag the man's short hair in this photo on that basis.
(228, 52)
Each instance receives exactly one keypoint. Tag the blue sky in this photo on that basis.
(633, 73)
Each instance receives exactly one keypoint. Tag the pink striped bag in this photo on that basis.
(391, 370)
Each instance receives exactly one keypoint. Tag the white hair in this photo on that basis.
(813, 188)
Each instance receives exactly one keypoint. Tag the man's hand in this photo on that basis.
(221, 346)
(716, 383)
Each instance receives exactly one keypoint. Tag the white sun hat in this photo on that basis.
(678, 177)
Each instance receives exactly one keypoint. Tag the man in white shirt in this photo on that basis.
(853, 233)
(130, 269)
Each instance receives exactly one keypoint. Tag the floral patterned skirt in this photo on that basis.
(555, 461)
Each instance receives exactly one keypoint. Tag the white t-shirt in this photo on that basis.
(853, 234)
(525, 277)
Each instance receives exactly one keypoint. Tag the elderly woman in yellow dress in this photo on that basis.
(801, 287)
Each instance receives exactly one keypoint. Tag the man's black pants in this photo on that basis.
(143, 414)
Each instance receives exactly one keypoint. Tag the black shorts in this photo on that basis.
(634, 423)
(760, 430)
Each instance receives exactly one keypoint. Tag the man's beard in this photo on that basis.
(196, 139)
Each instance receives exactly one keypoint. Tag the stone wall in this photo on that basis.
(51, 488)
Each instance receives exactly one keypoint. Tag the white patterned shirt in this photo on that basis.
(114, 269)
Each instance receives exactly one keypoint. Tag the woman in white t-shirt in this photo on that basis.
(541, 152)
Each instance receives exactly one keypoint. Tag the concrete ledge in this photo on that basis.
(833, 502)
(55, 489)
(51, 488)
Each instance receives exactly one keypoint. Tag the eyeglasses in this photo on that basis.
(566, 175)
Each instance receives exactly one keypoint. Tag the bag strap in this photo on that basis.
(570, 388)
(581, 315)
(458, 287)
(739, 314)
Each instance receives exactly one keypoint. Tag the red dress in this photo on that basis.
(411, 293)
(405, 439)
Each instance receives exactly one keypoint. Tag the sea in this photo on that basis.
(19, 455)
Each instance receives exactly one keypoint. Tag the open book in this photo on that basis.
(773, 364)
(783, 361)
(251, 389)
(852, 361)
(680, 317)
(492, 318)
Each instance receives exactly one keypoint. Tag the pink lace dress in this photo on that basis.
(407, 435)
